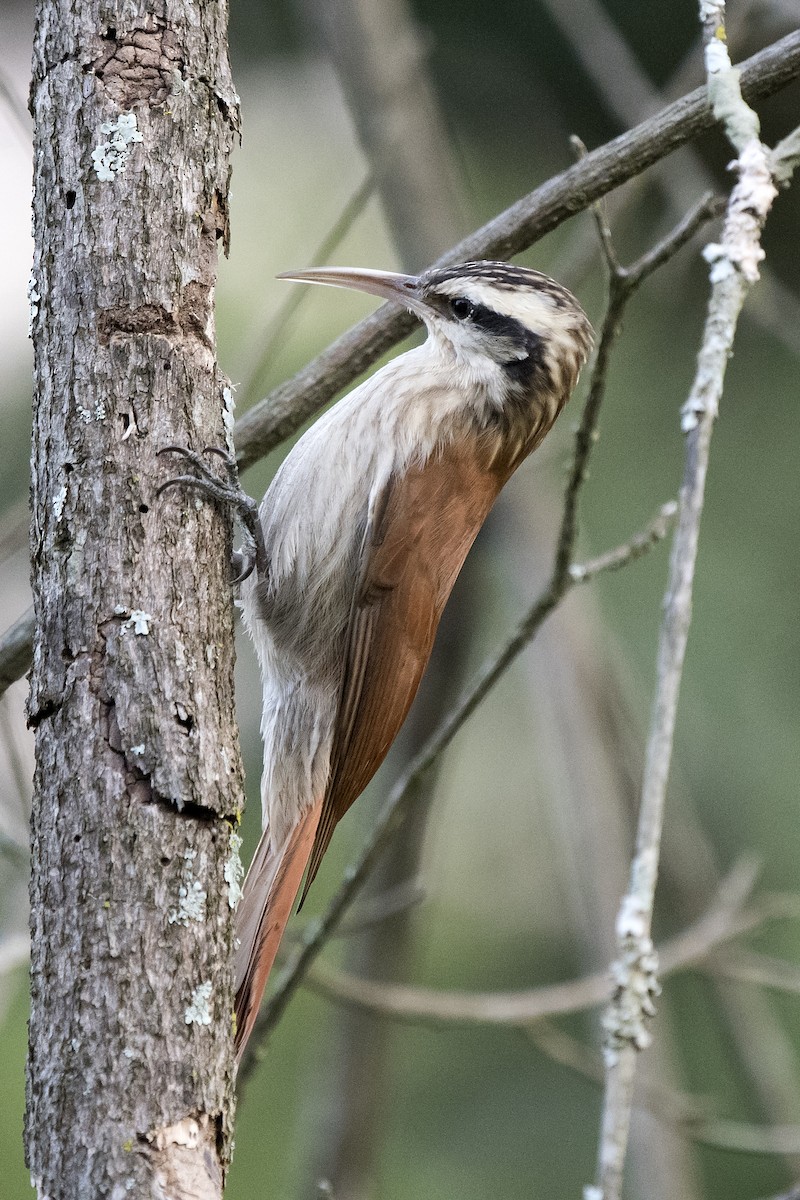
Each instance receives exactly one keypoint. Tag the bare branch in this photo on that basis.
(749, 1139)
(786, 157)
(286, 408)
(622, 283)
(16, 648)
(734, 270)
(373, 911)
(706, 209)
(689, 1115)
(14, 833)
(629, 551)
(728, 917)
(761, 970)
(630, 95)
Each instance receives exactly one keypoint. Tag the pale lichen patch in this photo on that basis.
(59, 500)
(192, 895)
(198, 1011)
(233, 871)
(33, 303)
(111, 156)
(135, 619)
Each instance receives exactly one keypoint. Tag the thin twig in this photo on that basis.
(729, 916)
(629, 551)
(744, 1138)
(288, 406)
(560, 582)
(786, 157)
(688, 1115)
(391, 903)
(733, 272)
(630, 95)
(761, 970)
(676, 1109)
(14, 842)
(622, 283)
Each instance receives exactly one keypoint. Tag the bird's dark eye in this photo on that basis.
(461, 308)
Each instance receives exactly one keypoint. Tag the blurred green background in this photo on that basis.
(519, 848)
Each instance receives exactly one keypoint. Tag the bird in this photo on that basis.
(357, 543)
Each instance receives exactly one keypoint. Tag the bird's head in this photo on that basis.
(507, 328)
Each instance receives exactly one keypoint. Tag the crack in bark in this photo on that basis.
(228, 105)
(147, 318)
(138, 782)
(190, 319)
(43, 713)
(140, 64)
(221, 213)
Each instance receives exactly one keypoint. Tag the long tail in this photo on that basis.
(270, 888)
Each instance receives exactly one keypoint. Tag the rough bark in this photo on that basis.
(138, 778)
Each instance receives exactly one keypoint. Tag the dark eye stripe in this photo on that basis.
(525, 346)
(499, 324)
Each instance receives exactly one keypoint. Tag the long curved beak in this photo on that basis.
(401, 289)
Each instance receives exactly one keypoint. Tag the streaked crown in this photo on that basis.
(526, 322)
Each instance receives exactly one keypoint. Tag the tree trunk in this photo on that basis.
(138, 780)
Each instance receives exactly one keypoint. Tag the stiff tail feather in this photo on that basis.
(270, 888)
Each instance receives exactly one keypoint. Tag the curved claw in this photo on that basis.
(243, 564)
(230, 494)
(223, 454)
(183, 480)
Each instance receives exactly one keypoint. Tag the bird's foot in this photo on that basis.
(228, 492)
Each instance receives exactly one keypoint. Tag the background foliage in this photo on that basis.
(524, 857)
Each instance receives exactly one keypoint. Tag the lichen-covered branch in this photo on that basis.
(734, 269)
